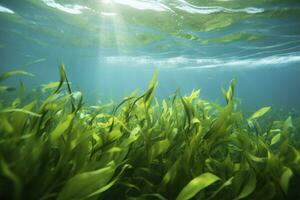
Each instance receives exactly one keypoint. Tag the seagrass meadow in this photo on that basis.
(182, 147)
(149, 100)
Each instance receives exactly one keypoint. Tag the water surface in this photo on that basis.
(111, 47)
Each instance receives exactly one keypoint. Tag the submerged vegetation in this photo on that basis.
(180, 148)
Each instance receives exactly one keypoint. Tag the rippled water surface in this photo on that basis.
(111, 47)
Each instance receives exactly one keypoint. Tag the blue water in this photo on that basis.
(112, 47)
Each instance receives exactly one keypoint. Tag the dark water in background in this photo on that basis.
(112, 47)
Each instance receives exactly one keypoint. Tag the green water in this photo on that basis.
(112, 47)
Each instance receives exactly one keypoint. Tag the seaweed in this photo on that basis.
(182, 148)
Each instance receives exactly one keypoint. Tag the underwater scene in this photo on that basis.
(149, 99)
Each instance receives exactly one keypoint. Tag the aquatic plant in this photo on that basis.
(180, 148)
